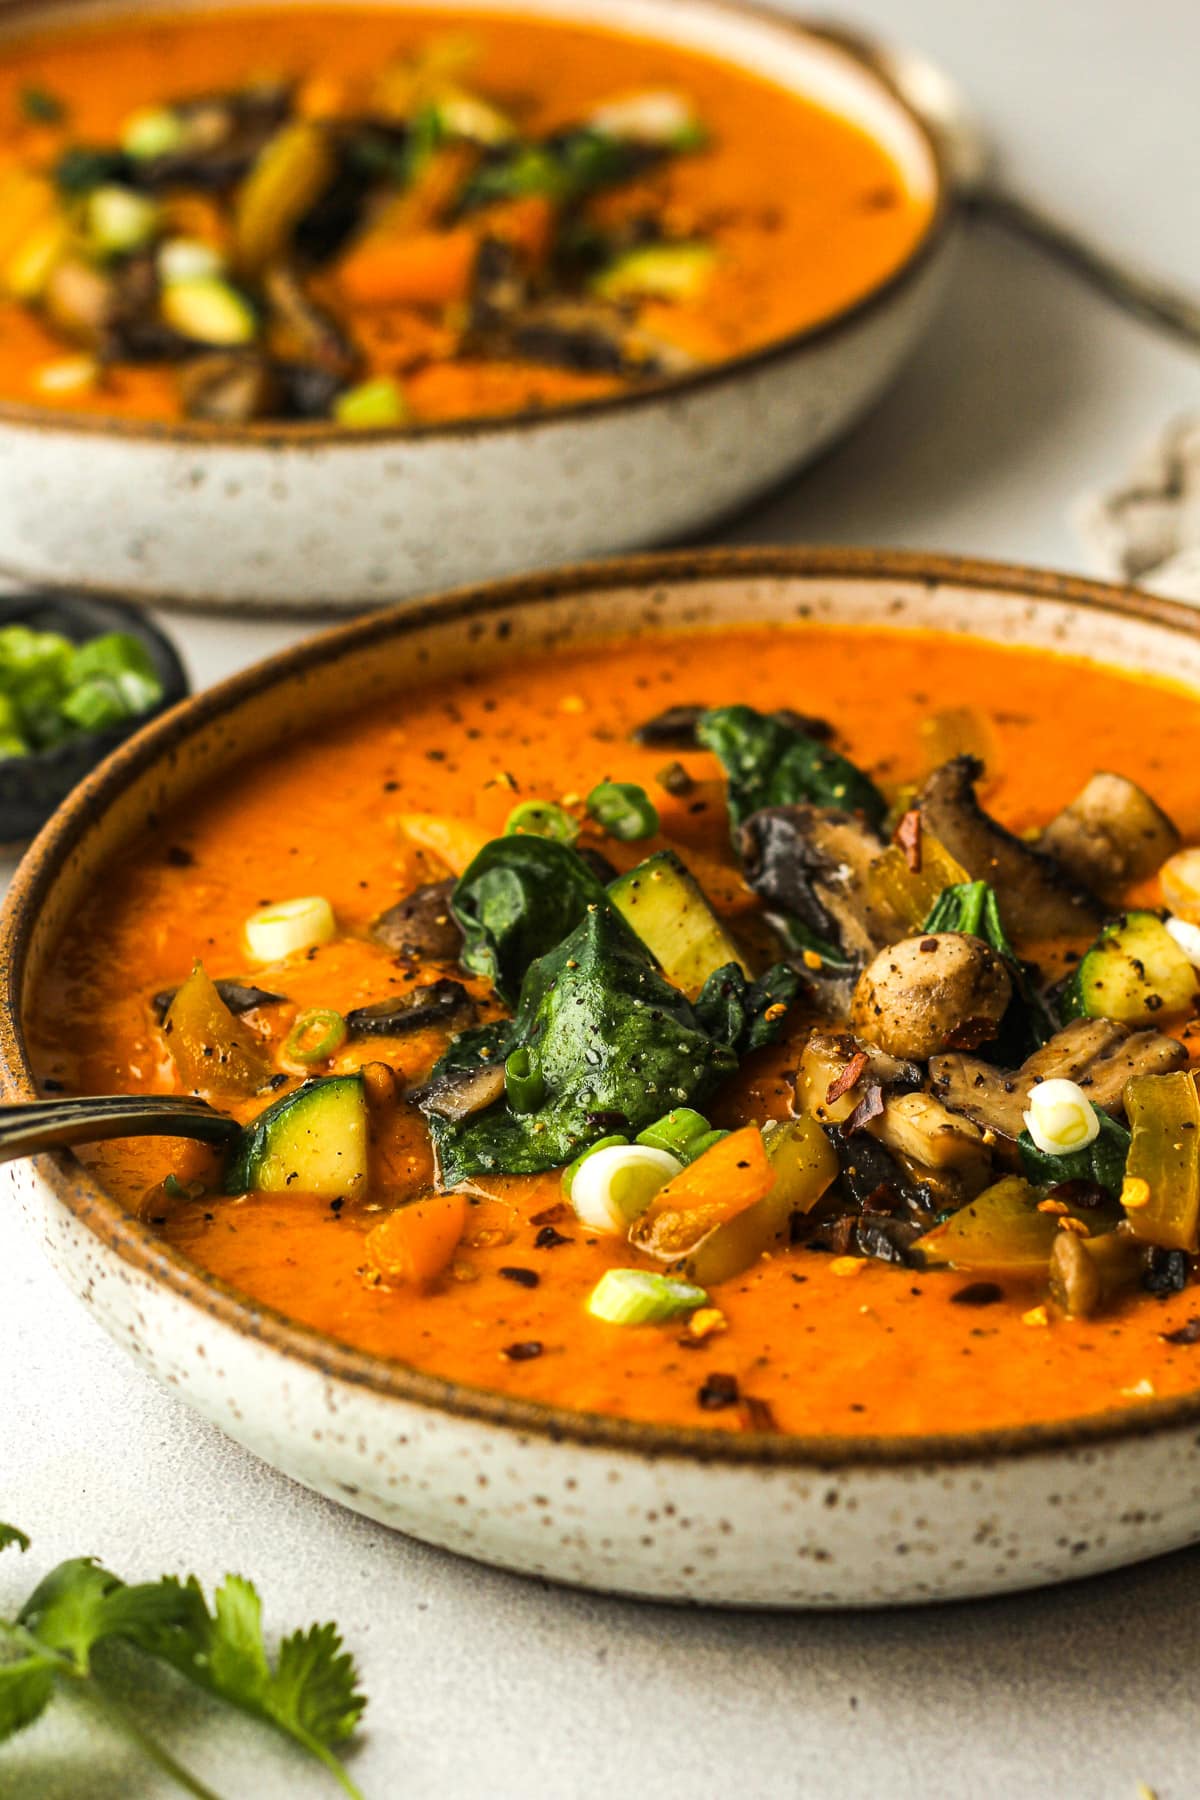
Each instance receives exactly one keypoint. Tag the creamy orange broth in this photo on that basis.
(885, 1350)
(807, 212)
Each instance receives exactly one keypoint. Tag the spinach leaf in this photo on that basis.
(1102, 1161)
(770, 763)
(520, 897)
(972, 907)
(742, 1013)
(614, 1044)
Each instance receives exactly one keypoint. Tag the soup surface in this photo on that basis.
(380, 215)
(819, 1334)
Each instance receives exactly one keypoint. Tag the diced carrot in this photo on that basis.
(734, 1174)
(430, 194)
(416, 1242)
(429, 268)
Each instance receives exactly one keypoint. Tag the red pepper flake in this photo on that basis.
(850, 1077)
(977, 1293)
(526, 1278)
(718, 1392)
(551, 1215)
(908, 836)
(1187, 1334)
(523, 1352)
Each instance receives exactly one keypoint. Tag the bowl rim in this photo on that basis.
(316, 434)
(145, 1253)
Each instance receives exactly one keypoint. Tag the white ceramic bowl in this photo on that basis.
(677, 1513)
(316, 518)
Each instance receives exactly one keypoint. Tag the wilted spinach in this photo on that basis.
(735, 1011)
(615, 1045)
(769, 763)
(1102, 1161)
(520, 897)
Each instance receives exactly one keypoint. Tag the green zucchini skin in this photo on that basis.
(313, 1140)
(664, 904)
(1135, 972)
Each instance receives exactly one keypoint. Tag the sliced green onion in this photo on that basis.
(188, 259)
(123, 660)
(698, 1145)
(636, 1297)
(152, 131)
(524, 1087)
(675, 1131)
(615, 1185)
(117, 220)
(624, 810)
(371, 405)
(541, 818)
(572, 1169)
(208, 311)
(317, 1035)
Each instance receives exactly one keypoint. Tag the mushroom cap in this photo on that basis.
(940, 991)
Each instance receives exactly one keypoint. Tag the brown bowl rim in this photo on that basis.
(137, 1245)
(196, 433)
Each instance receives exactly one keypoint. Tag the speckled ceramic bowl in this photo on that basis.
(685, 1514)
(316, 518)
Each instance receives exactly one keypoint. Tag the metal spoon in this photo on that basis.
(52, 1124)
(968, 157)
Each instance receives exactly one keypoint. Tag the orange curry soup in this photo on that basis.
(822, 1343)
(386, 249)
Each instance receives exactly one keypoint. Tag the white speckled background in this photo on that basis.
(485, 1685)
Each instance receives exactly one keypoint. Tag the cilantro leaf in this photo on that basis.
(26, 1689)
(312, 1692)
(10, 1535)
(80, 1604)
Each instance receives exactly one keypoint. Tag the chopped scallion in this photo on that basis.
(572, 1169)
(623, 809)
(318, 1034)
(371, 405)
(524, 1087)
(614, 1185)
(541, 818)
(675, 1132)
(637, 1297)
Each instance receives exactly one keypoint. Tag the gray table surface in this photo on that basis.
(1027, 392)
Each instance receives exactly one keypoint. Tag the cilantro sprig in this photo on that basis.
(311, 1692)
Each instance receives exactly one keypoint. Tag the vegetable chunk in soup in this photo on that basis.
(753, 1029)
(376, 216)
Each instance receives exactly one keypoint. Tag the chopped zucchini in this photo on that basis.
(664, 904)
(658, 272)
(314, 1141)
(1134, 972)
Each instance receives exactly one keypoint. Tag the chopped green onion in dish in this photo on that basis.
(614, 1184)
(676, 1131)
(152, 131)
(636, 1297)
(524, 1088)
(288, 926)
(624, 810)
(572, 1169)
(318, 1034)
(541, 818)
(52, 690)
(371, 405)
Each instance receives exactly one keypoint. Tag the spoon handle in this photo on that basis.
(1136, 290)
(52, 1124)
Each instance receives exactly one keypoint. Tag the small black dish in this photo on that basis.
(31, 787)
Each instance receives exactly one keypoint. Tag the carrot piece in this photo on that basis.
(734, 1174)
(430, 268)
(416, 1242)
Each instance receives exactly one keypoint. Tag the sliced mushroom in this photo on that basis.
(1110, 835)
(811, 863)
(918, 1127)
(836, 1069)
(223, 135)
(439, 1003)
(459, 1093)
(932, 993)
(1038, 899)
(422, 925)
(1100, 1054)
(229, 389)
(673, 729)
